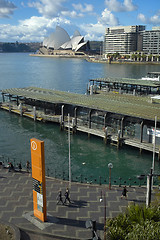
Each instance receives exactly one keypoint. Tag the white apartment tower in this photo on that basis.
(123, 39)
(151, 41)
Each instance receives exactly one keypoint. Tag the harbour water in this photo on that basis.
(89, 157)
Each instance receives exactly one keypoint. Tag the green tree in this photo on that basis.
(138, 223)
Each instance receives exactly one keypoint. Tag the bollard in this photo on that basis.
(81, 178)
(120, 181)
(34, 113)
(21, 110)
(100, 180)
(129, 182)
(63, 175)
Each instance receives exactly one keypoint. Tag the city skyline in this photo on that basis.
(33, 20)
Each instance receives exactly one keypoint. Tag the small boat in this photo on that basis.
(152, 76)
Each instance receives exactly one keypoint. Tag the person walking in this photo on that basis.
(59, 197)
(124, 193)
(10, 166)
(20, 167)
(67, 197)
(27, 166)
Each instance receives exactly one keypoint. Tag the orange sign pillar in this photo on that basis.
(38, 176)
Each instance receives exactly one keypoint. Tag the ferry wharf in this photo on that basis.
(128, 85)
(119, 119)
(63, 221)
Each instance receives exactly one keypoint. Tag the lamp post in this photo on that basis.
(69, 146)
(110, 166)
(154, 147)
(103, 196)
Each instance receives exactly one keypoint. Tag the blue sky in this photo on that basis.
(33, 20)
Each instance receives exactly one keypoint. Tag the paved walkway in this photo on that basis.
(64, 221)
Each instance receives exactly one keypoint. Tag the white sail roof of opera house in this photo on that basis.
(60, 40)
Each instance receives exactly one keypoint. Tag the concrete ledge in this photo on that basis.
(16, 231)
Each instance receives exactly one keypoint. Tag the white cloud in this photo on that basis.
(79, 7)
(6, 8)
(93, 37)
(155, 19)
(142, 18)
(32, 29)
(53, 13)
(97, 31)
(37, 23)
(72, 14)
(80, 11)
(116, 6)
(108, 18)
(48, 8)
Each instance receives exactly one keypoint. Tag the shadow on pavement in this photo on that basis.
(73, 222)
(76, 204)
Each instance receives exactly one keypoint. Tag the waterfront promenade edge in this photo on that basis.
(63, 221)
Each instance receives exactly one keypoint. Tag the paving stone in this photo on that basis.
(16, 201)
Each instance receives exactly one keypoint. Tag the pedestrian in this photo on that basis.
(67, 197)
(27, 166)
(124, 193)
(20, 167)
(10, 166)
(59, 197)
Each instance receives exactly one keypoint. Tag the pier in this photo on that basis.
(127, 85)
(119, 119)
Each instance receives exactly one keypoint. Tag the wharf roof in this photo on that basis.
(127, 105)
(128, 81)
(154, 73)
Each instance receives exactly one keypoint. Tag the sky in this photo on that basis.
(33, 20)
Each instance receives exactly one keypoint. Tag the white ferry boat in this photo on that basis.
(152, 76)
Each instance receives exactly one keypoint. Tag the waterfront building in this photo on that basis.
(151, 41)
(123, 39)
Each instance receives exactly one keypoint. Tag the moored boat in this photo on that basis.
(152, 76)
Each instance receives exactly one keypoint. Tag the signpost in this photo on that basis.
(38, 176)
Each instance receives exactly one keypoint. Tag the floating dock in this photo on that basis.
(117, 118)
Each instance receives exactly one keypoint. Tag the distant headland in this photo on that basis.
(19, 47)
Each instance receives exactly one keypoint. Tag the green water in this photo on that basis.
(89, 157)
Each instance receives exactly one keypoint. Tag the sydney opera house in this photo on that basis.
(60, 43)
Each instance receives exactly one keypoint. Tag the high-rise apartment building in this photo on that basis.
(151, 41)
(123, 39)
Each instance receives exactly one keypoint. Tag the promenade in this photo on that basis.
(63, 221)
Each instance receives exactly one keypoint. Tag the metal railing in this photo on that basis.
(80, 178)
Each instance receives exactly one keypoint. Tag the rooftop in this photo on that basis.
(125, 104)
(131, 81)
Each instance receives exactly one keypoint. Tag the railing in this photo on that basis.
(5, 160)
(118, 181)
(99, 179)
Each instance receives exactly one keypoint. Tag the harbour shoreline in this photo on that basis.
(93, 60)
